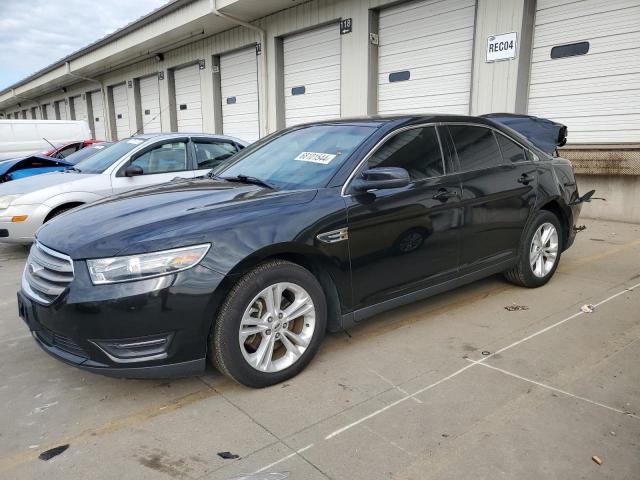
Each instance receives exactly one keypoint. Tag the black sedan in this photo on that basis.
(313, 228)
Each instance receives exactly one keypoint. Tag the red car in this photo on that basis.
(69, 148)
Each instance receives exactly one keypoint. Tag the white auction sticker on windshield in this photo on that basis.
(315, 157)
(135, 141)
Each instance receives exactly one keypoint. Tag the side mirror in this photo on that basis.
(133, 171)
(381, 178)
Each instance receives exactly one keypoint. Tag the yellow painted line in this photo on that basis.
(12, 461)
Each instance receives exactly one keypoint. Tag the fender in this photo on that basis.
(71, 197)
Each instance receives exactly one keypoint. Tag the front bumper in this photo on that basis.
(79, 327)
(21, 232)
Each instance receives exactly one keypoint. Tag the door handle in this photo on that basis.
(443, 195)
(524, 179)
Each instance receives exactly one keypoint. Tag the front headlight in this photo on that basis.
(6, 200)
(147, 265)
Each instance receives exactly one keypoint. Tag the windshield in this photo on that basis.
(304, 158)
(102, 160)
(86, 152)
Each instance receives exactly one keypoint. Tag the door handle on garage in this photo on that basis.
(524, 179)
(443, 195)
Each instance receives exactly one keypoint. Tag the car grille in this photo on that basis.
(63, 343)
(47, 274)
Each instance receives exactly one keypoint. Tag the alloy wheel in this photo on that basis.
(277, 327)
(543, 251)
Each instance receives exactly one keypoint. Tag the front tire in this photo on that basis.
(539, 252)
(270, 325)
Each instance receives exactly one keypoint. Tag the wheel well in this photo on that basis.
(555, 208)
(59, 208)
(334, 313)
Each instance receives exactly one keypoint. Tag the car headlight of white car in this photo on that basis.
(6, 200)
(147, 265)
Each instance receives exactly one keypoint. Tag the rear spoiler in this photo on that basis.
(543, 133)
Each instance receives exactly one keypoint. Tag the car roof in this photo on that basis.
(161, 135)
(377, 120)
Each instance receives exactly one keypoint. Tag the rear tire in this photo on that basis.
(270, 325)
(539, 252)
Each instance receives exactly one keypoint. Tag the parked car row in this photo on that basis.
(135, 162)
(246, 256)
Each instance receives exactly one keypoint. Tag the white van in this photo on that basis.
(19, 138)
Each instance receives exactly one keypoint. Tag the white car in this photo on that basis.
(135, 162)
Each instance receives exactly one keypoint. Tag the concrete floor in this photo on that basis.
(452, 387)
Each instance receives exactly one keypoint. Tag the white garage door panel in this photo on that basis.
(62, 109)
(150, 104)
(596, 45)
(433, 55)
(187, 88)
(97, 105)
(79, 108)
(595, 95)
(304, 115)
(598, 66)
(312, 61)
(239, 83)
(582, 28)
(121, 110)
(609, 103)
(445, 102)
(574, 11)
(433, 41)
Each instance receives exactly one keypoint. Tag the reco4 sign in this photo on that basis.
(502, 47)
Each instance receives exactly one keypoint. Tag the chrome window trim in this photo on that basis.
(384, 139)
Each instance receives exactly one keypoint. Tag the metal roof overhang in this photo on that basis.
(177, 23)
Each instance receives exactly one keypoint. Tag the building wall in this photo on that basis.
(495, 87)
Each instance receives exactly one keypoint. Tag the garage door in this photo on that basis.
(62, 110)
(425, 57)
(47, 112)
(79, 108)
(585, 68)
(150, 104)
(121, 110)
(97, 106)
(188, 99)
(312, 75)
(239, 85)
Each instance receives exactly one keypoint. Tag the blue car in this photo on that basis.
(37, 164)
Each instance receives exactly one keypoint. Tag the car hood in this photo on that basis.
(38, 182)
(171, 215)
(32, 161)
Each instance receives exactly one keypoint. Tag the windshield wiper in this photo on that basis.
(247, 179)
(74, 169)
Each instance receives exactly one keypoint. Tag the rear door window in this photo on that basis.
(211, 153)
(511, 151)
(417, 150)
(477, 147)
